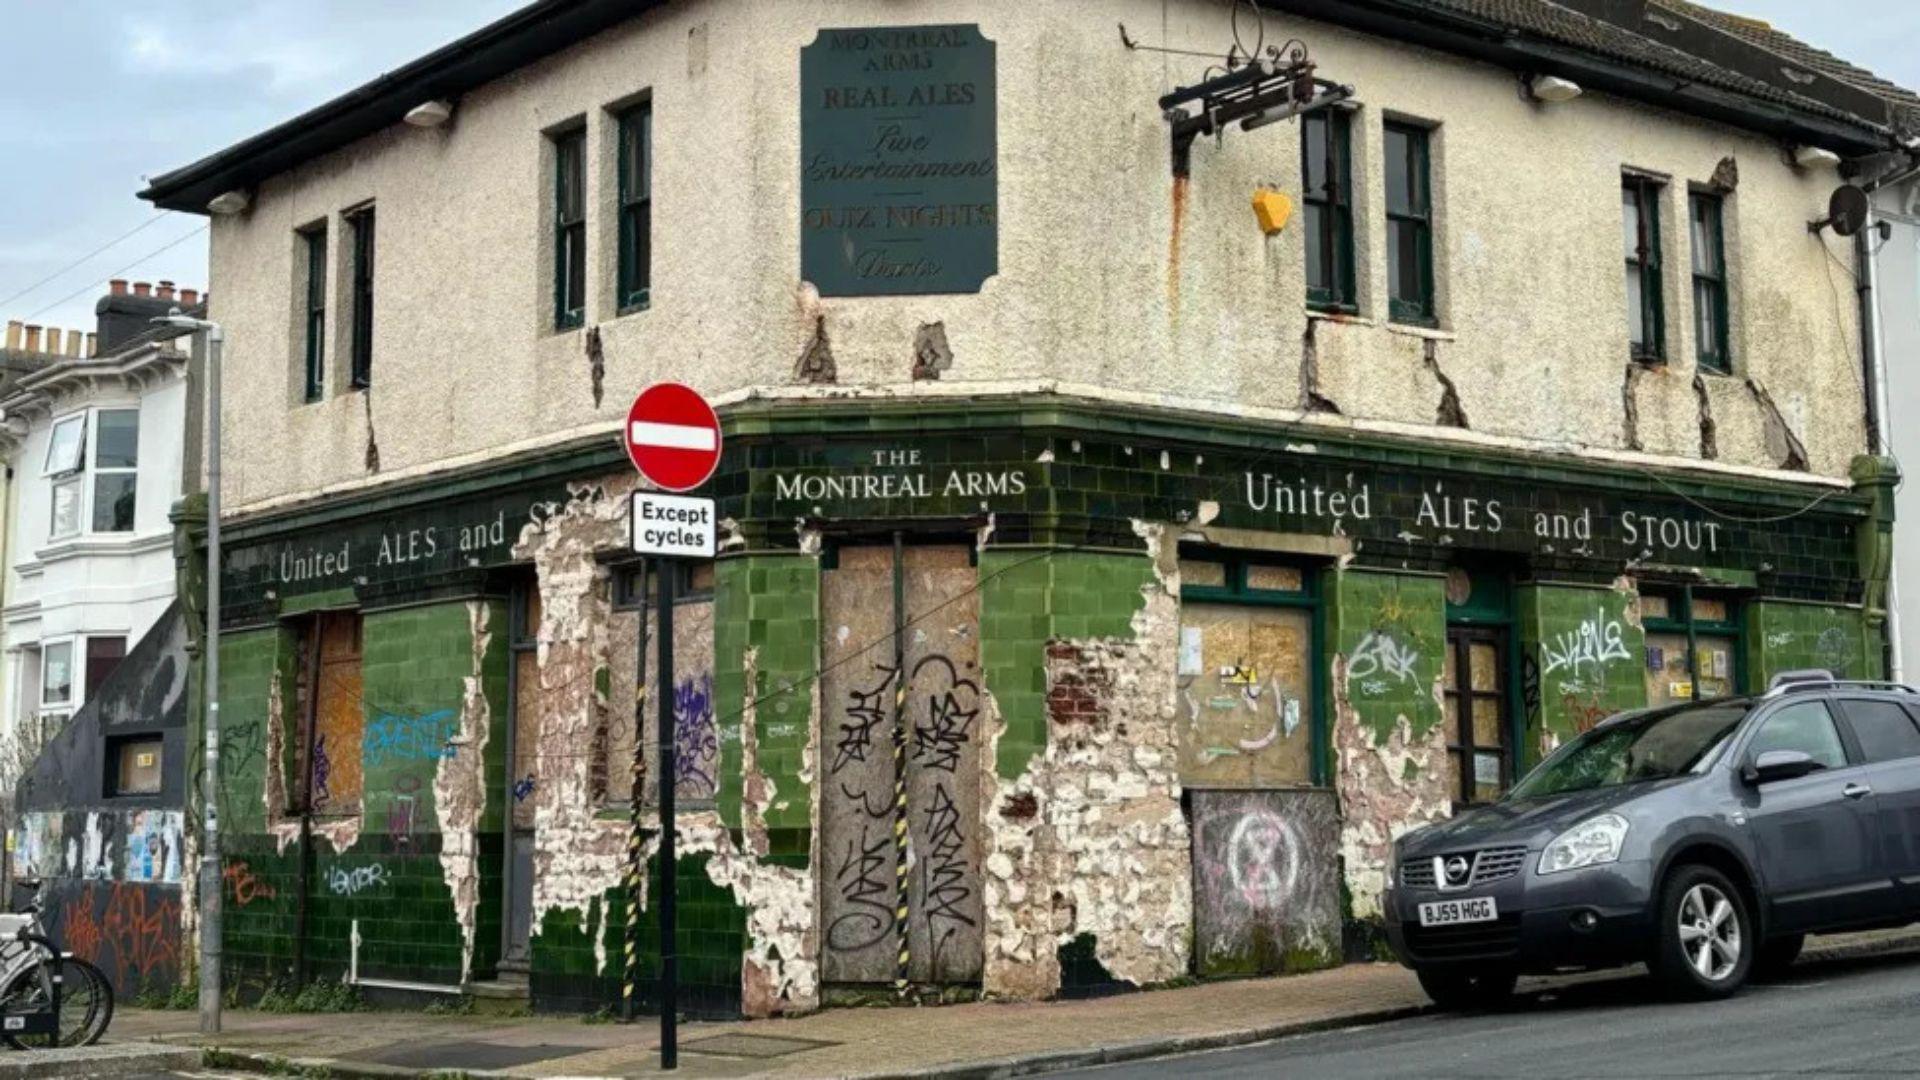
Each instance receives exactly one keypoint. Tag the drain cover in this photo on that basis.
(465, 1055)
(752, 1046)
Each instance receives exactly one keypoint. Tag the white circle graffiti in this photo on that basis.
(1263, 858)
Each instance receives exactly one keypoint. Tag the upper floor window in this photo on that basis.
(1409, 224)
(108, 478)
(315, 335)
(1326, 184)
(360, 224)
(569, 229)
(636, 206)
(1709, 283)
(56, 685)
(1640, 235)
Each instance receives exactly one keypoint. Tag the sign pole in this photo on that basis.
(669, 962)
(636, 840)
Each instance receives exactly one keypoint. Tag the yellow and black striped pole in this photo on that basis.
(900, 839)
(636, 836)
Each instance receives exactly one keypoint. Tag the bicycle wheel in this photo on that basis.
(86, 1002)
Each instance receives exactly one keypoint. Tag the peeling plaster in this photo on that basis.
(577, 857)
(1311, 400)
(1385, 789)
(460, 791)
(1449, 413)
(1709, 431)
(1091, 838)
(1630, 405)
(1782, 444)
(339, 833)
(931, 354)
(816, 363)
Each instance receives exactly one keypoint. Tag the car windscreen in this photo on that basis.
(1652, 746)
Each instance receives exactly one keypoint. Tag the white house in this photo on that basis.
(93, 443)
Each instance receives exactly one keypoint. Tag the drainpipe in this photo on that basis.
(1879, 413)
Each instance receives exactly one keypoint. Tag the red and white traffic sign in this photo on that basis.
(673, 437)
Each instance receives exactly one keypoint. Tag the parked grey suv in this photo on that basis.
(1706, 839)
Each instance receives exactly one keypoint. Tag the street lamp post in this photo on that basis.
(210, 897)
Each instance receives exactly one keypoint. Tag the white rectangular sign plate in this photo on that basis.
(672, 525)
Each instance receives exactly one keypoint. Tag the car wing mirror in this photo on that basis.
(1774, 765)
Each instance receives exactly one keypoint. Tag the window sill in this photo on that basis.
(1331, 315)
(1420, 330)
(1719, 373)
(125, 543)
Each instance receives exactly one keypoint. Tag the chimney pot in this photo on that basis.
(189, 297)
(74, 343)
(166, 290)
(93, 345)
(117, 287)
(33, 338)
(14, 326)
(53, 340)
(142, 288)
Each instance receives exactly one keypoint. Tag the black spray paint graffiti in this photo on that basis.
(867, 712)
(863, 881)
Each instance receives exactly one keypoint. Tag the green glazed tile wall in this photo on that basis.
(770, 604)
(1784, 636)
(1392, 628)
(1582, 658)
(1028, 597)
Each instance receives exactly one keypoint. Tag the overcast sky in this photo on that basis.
(100, 94)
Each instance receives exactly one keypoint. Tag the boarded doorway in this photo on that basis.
(936, 722)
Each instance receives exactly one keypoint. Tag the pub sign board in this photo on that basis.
(899, 184)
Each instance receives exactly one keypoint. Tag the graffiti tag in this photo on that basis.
(354, 880)
(1595, 643)
(391, 737)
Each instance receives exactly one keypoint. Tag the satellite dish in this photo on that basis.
(1847, 210)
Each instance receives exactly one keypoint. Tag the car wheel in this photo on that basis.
(1471, 988)
(1777, 955)
(1706, 946)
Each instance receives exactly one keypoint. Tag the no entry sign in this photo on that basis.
(673, 437)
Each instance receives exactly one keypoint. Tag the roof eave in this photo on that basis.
(532, 33)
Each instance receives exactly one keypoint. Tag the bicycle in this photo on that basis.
(47, 998)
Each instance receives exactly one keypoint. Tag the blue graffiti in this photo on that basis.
(696, 742)
(391, 737)
(522, 788)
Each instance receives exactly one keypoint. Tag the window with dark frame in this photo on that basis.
(636, 206)
(1711, 348)
(1475, 686)
(1326, 186)
(361, 365)
(569, 229)
(1640, 236)
(316, 328)
(1409, 224)
(103, 656)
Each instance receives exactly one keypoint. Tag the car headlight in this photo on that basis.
(1593, 842)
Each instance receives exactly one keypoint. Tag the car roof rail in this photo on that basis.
(1788, 682)
(1799, 679)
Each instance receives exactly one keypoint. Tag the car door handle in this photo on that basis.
(1856, 791)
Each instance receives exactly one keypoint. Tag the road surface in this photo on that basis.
(1846, 1019)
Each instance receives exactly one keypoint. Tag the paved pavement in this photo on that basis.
(977, 1040)
(1835, 1019)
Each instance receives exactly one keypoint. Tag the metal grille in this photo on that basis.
(1498, 864)
(1489, 866)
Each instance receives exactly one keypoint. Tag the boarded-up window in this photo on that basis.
(696, 723)
(1245, 695)
(333, 720)
(134, 765)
